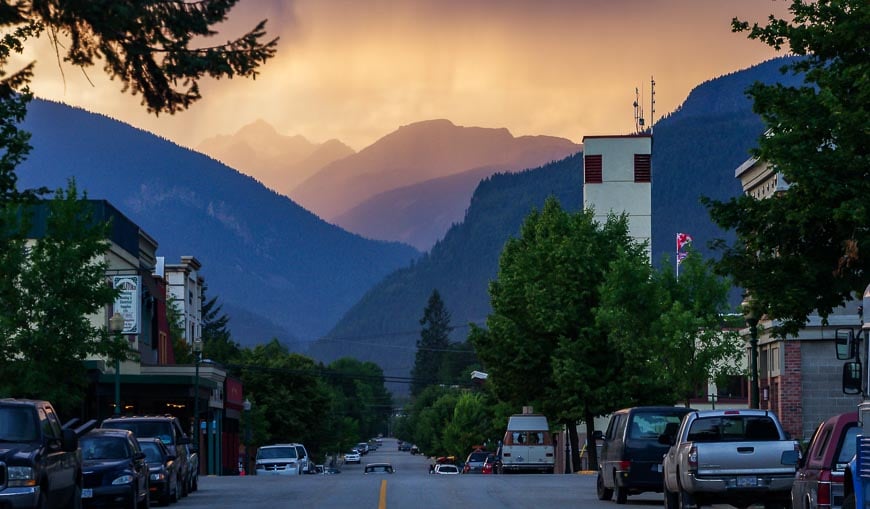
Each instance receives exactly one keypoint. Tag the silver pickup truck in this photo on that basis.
(737, 457)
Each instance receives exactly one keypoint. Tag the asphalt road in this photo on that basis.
(410, 487)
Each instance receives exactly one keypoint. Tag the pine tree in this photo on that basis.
(432, 346)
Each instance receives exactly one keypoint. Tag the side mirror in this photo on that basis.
(846, 344)
(170, 457)
(69, 440)
(139, 456)
(852, 378)
(597, 435)
(185, 440)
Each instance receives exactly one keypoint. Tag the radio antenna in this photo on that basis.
(652, 100)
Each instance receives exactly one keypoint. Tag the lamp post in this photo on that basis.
(197, 353)
(247, 406)
(750, 313)
(116, 325)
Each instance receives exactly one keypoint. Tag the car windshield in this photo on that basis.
(477, 457)
(268, 453)
(153, 454)
(17, 424)
(104, 448)
(378, 469)
(448, 469)
(735, 428)
(145, 429)
(649, 426)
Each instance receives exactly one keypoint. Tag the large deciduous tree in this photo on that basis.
(807, 249)
(48, 290)
(542, 345)
(669, 329)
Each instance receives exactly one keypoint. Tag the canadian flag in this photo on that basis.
(682, 240)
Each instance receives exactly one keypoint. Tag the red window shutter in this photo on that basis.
(592, 168)
(642, 168)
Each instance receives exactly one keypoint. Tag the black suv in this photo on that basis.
(165, 427)
(40, 463)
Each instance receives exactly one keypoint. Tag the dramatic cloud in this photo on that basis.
(357, 69)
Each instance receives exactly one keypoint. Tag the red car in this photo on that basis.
(491, 465)
(819, 479)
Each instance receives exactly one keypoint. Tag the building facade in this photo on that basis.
(799, 377)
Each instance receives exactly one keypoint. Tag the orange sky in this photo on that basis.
(357, 69)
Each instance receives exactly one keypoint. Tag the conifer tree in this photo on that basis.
(432, 346)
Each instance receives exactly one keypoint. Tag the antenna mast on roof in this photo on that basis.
(638, 112)
(652, 100)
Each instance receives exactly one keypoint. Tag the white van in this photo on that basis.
(283, 459)
(527, 445)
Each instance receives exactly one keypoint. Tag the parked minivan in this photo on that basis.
(527, 445)
(283, 459)
(631, 455)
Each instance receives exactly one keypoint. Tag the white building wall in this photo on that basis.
(618, 192)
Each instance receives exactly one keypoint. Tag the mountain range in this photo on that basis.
(281, 271)
(280, 162)
(408, 186)
(278, 269)
(695, 152)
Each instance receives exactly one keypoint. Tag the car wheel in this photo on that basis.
(603, 492)
(76, 502)
(849, 501)
(686, 501)
(670, 498)
(146, 502)
(621, 495)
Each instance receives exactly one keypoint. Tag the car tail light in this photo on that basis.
(693, 458)
(625, 466)
(823, 490)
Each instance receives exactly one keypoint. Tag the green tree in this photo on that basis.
(807, 249)
(542, 345)
(151, 47)
(217, 341)
(432, 346)
(181, 349)
(361, 394)
(469, 425)
(286, 388)
(669, 329)
(51, 289)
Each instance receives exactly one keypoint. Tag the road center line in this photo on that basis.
(382, 502)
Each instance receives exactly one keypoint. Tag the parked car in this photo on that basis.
(404, 446)
(415, 450)
(352, 457)
(527, 445)
(41, 460)
(736, 457)
(821, 471)
(282, 459)
(630, 461)
(165, 427)
(165, 481)
(474, 462)
(193, 466)
(379, 468)
(363, 448)
(446, 469)
(114, 470)
(492, 464)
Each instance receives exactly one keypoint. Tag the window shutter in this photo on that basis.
(642, 170)
(592, 168)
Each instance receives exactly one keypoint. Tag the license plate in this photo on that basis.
(747, 482)
(87, 493)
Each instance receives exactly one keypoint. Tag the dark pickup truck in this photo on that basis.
(818, 483)
(40, 462)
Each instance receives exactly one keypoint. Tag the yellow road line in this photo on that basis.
(382, 502)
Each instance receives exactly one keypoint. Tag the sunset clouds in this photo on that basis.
(357, 69)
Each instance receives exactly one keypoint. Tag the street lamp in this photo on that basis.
(116, 325)
(197, 353)
(247, 406)
(750, 313)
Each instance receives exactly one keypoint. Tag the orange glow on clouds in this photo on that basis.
(357, 70)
